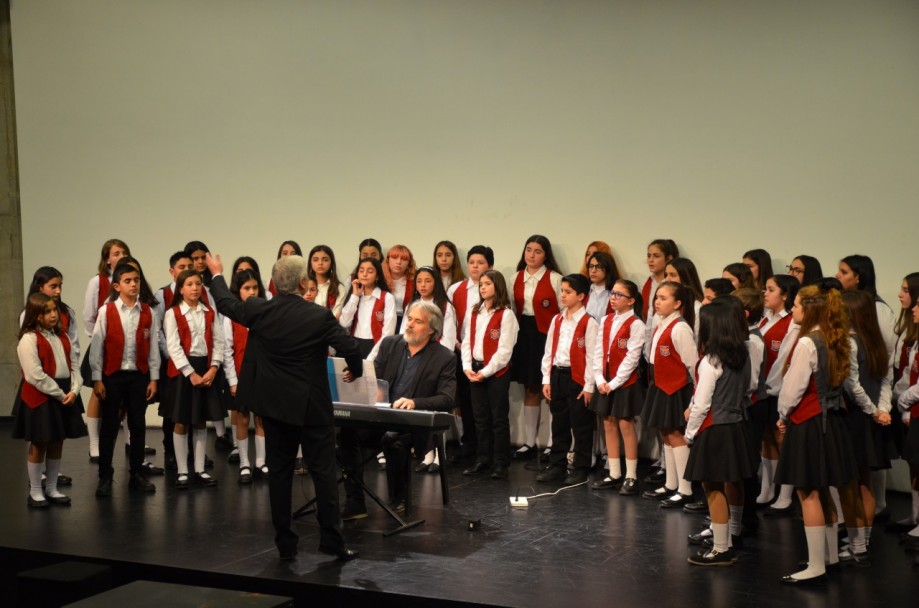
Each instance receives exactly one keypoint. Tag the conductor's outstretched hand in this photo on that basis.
(214, 264)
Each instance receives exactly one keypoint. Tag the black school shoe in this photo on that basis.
(140, 483)
(527, 452)
(629, 487)
(697, 506)
(205, 480)
(713, 557)
(655, 476)
(607, 483)
(551, 473)
(675, 501)
(658, 494)
(575, 477)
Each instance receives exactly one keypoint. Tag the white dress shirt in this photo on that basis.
(635, 347)
(775, 378)
(34, 374)
(597, 301)
(196, 323)
(563, 350)
(362, 307)
(502, 356)
(129, 317)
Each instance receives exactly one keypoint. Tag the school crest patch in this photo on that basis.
(623, 343)
(494, 334)
(775, 345)
(665, 351)
(581, 342)
(147, 334)
(379, 315)
(546, 303)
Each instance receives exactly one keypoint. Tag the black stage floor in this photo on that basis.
(583, 547)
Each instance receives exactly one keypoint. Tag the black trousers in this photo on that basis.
(123, 391)
(491, 407)
(396, 447)
(464, 402)
(318, 443)
(569, 415)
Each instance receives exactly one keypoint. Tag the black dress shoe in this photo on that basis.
(479, 467)
(205, 480)
(245, 476)
(182, 482)
(343, 554)
(433, 468)
(139, 482)
(37, 504)
(551, 473)
(837, 567)
(527, 452)
(898, 527)
(607, 483)
(697, 506)
(64, 480)
(815, 581)
(62, 500)
(711, 557)
(104, 488)
(700, 538)
(398, 506)
(658, 494)
(657, 476)
(629, 487)
(94, 459)
(575, 477)
(465, 453)
(151, 469)
(149, 451)
(676, 501)
(421, 467)
(499, 472)
(208, 463)
(233, 458)
(169, 462)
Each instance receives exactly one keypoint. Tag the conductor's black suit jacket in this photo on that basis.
(283, 374)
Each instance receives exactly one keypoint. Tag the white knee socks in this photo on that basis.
(531, 423)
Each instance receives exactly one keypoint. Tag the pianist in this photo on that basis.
(421, 375)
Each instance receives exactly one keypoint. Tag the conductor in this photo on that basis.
(283, 379)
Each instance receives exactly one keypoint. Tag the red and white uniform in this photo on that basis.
(571, 343)
(492, 341)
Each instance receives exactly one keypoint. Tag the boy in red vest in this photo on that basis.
(568, 382)
(125, 362)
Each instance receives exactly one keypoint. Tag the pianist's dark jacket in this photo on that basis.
(435, 383)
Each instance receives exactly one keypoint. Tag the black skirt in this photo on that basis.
(663, 411)
(526, 362)
(910, 449)
(765, 412)
(867, 441)
(51, 421)
(86, 371)
(812, 458)
(721, 453)
(624, 402)
(190, 405)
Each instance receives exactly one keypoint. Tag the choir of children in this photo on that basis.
(807, 378)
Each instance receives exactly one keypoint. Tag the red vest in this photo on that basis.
(409, 294)
(904, 358)
(646, 300)
(545, 300)
(376, 318)
(64, 316)
(113, 348)
(185, 337)
(577, 351)
(105, 288)
(669, 370)
(271, 288)
(460, 297)
(913, 378)
(492, 338)
(613, 357)
(772, 340)
(809, 407)
(30, 395)
(167, 297)
(240, 337)
(330, 301)
(205, 298)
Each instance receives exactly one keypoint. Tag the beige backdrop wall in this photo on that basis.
(724, 125)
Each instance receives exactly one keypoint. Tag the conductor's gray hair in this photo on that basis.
(287, 273)
(435, 316)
